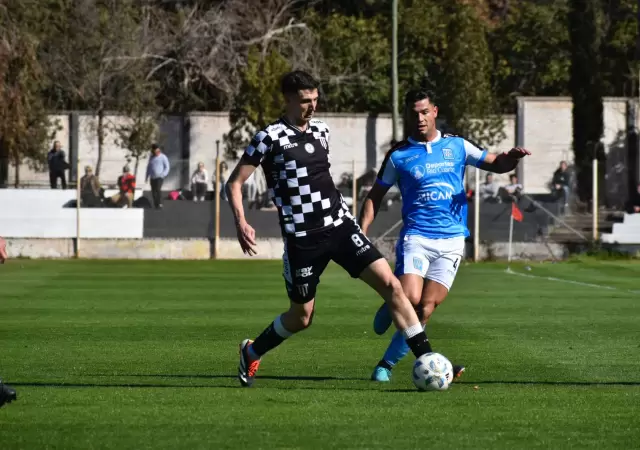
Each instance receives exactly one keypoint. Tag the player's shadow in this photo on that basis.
(538, 383)
(233, 377)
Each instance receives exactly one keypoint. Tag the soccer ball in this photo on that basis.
(432, 372)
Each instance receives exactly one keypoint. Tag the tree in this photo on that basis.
(24, 123)
(101, 44)
(620, 37)
(141, 127)
(467, 102)
(259, 100)
(530, 44)
(586, 86)
(280, 43)
(352, 62)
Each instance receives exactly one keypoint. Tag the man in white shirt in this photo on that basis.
(489, 189)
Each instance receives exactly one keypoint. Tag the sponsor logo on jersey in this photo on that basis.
(304, 272)
(441, 167)
(436, 192)
(417, 172)
(447, 153)
(362, 250)
(410, 158)
(309, 147)
(288, 146)
(303, 289)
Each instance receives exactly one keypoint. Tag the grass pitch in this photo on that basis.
(142, 355)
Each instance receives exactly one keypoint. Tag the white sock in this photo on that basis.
(413, 330)
(279, 328)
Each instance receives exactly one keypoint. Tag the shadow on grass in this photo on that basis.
(538, 383)
(295, 378)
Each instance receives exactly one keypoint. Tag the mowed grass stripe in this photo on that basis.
(139, 354)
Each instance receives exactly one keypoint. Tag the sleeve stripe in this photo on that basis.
(482, 158)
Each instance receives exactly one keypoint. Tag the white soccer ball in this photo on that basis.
(432, 372)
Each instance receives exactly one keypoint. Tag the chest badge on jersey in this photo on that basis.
(448, 153)
(417, 171)
(309, 147)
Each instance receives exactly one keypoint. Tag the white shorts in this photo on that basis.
(433, 259)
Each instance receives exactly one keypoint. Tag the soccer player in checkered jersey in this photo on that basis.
(429, 169)
(7, 394)
(316, 224)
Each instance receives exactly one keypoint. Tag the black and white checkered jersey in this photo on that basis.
(296, 166)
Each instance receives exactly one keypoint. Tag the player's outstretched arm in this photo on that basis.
(371, 206)
(246, 233)
(503, 162)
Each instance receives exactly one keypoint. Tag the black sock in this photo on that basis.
(270, 338)
(385, 364)
(419, 344)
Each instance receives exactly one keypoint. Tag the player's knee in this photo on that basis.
(427, 310)
(300, 316)
(394, 285)
(304, 320)
(414, 297)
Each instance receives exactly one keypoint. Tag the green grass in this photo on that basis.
(137, 355)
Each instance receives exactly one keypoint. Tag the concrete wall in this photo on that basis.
(543, 125)
(546, 130)
(229, 249)
(39, 213)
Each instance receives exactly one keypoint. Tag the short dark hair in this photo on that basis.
(297, 80)
(415, 95)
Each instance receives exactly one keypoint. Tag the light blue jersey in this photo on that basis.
(430, 176)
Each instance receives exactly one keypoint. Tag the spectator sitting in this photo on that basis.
(561, 182)
(635, 202)
(489, 190)
(199, 181)
(511, 191)
(90, 196)
(127, 189)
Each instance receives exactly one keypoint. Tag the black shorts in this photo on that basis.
(305, 258)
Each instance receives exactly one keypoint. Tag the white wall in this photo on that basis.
(547, 131)
(545, 127)
(39, 213)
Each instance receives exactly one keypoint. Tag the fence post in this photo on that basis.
(77, 249)
(594, 202)
(476, 217)
(354, 206)
(217, 193)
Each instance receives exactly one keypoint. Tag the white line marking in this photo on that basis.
(579, 283)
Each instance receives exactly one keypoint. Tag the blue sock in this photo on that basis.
(397, 349)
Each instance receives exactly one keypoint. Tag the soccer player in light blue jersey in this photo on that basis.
(428, 168)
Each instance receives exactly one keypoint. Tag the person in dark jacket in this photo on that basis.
(57, 166)
(561, 182)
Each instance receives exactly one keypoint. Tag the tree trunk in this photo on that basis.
(16, 162)
(100, 138)
(586, 91)
(4, 165)
(135, 168)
